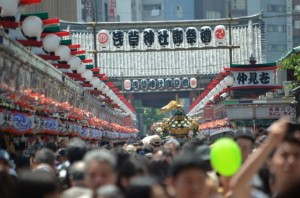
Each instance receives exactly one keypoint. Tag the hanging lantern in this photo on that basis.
(135, 85)
(127, 85)
(95, 82)
(191, 35)
(193, 82)
(74, 62)
(148, 37)
(144, 84)
(103, 38)
(81, 69)
(9, 7)
(177, 83)
(51, 43)
(185, 82)
(169, 83)
(88, 75)
(163, 37)
(32, 26)
(205, 34)
(152, 84)
(63, 52)
(177, 36)
(229, 81)
(160, 83)
(220, 34)
(133, 37)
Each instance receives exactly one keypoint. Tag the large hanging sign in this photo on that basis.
(163, 38)
(253, 77)
(160, 83)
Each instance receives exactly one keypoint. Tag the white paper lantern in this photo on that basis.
(127, 85)
(229, 81)
(81, 69)
(193, 82)
(103, 38)
(106, 89)
(32, 26)
(220, 34)
(223, 85)
(88, 75)
(101, 86)
(63, 52)
(95, 82)
(9, 7)
(51, 43)
(74, 62)
(219, 88)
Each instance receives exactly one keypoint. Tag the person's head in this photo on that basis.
(145, 187)
(130, 149)
(76, 149)
(130, 168)
(77, 174)
(44, 156)
(100, 168)
(4, 161)
(62, 155)
(109, 191)
(173, 146)
(285, 164)
(245, 139)
(203, 152)
(37, 185)
(155, 142)
(188, 176)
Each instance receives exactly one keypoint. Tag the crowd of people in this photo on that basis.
(160, 168)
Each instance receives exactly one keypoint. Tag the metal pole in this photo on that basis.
(230, 39)
(95, 35)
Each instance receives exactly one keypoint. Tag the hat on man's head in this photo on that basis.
(4, 155)
(244, 133)
(155, 140)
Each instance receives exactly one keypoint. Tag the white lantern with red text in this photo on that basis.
(127, 85)
(193, 82)
(103, 38)
(220, 34)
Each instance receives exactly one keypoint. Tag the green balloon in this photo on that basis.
(226, 157)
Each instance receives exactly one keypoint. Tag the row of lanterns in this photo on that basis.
(191, 35)
(226, 82)
(32, 27)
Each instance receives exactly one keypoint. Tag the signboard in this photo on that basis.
(238, 113)
(275, 111)
(258, 78)
(103, 38)
(154, 84)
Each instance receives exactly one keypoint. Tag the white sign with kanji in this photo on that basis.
(253, 78)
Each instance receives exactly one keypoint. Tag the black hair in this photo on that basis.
(141, 187)
(76, 149)
(36, 185)
(186, 161)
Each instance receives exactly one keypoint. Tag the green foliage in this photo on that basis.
(151, 116)
(292, 62)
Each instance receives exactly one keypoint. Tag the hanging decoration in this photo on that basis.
(163, 37)
(191, 35)
(118, 38)
(103, 38)
(177, 36)
(127, 85)
(148, 37)
(205, 34)
(133, 38)
(220, 34)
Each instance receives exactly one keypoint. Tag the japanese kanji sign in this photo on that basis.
(253, 78)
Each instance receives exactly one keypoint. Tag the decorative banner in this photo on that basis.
(118, 38)
(220, 34)
(193, 82)
(163, 37)
(205, 34)
(127, 85)
(177, 36)
(103, 38)
(133, 38)
(148, 37)
(191, 35)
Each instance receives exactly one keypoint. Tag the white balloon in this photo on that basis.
(74, 62)
(88, 75)
(81, 69)
(32, 26)
(63, 52)
(51, 43)
(9, 7)
(95, 82)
